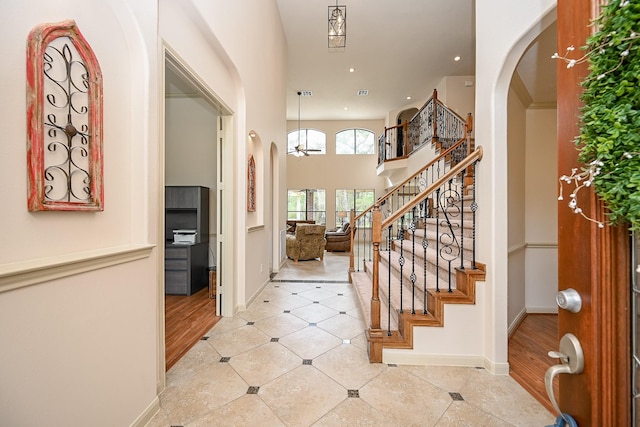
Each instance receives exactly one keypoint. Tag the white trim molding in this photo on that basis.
(27, 273)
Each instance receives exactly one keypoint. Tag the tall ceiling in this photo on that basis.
(398, 48)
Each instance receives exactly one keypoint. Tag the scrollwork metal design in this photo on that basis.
(66, 160)
(449, 200)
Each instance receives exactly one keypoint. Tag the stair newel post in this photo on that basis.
(375, 294)
(352, 227)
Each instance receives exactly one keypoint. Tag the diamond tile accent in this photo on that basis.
(456, 396)
(265, 344)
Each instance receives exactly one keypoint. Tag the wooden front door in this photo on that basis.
(594, 261)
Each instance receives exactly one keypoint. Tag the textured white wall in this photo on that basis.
(83, 348)
(516, 146)
(238, 50)
(503, 31)
(541, 191)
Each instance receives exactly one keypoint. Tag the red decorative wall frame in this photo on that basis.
(251, 185)
(64, 121)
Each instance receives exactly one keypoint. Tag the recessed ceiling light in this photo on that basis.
(457, 58)
(346, 108)
(408, 97)
(351, 70)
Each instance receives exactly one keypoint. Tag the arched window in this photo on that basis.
(355, 141)
(310, 141)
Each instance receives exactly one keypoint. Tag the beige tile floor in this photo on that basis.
(297, 357)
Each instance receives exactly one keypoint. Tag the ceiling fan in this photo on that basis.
(300, 149)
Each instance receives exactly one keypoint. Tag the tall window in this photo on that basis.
(355, 141)
(353, 199)
(312, 141)
(307, 204)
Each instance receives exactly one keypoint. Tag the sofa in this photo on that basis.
(307, 242)
(339, 240)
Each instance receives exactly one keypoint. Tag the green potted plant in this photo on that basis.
(609, 139)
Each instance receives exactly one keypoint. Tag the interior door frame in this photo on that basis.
(594, 261)
(224, 192)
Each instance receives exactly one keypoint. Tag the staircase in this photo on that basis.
(416, 249)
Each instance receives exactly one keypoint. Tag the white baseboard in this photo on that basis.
(147, 414)
(496, 368)
(403, 357)
(407, 358)
(243, 307)
(516, 322)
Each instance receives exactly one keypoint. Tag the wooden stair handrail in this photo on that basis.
(468, 161)
(422, 169)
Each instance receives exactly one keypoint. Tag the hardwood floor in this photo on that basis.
(187, 319)
(528, 358)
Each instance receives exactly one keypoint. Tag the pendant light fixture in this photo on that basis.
(337, 26)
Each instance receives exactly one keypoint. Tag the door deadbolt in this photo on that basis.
(570, 300)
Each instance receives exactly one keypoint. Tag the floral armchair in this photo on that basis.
(308, 242)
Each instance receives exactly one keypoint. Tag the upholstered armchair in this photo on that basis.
(308, 242)
(339, 240)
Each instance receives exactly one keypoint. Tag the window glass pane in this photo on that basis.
(296, 204)
(316, 140)
(292, 141)
(344, 142)
(344, 200)
(364, 199)
(365, 141)
(354, 199)
(307, 205)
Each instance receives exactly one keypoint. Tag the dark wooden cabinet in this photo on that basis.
(187, 208)
(186, 265)
(185, 268)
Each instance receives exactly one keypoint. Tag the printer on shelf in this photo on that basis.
(184, 237)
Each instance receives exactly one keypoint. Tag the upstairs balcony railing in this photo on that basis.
(434, 123)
